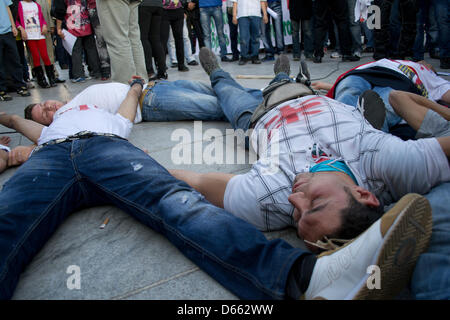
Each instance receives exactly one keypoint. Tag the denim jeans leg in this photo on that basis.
(34, 202)
(442, 10)
(205, 21)
(255, 35)
(218, 20)
(237, 102)
(392, 117)
(350, 88)
(229, 249)
(266, 35)
(431, 277)
(181, 100)
(278, 25)
(244, 36)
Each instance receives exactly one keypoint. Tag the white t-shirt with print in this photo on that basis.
(248, 8)
(31, 20)
(77, 118)
(427, 82)
(301, 132)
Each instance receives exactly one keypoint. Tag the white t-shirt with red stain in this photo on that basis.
(31, 20)
(76, 118)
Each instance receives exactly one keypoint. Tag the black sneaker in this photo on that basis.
(350, 58)
(317, 59)
(282, 65)
(256, 61)
(182, 68)
(242, 61)
(208, 60)
(373, 108)
(22, 91)
(4, 96)
(225, 59)
(193, 63)
(235, 58)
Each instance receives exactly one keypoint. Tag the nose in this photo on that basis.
(300, 202)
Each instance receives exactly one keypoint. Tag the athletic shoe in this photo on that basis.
(242, 61)
(78, 80)
(335, 55)
(387, 252)
(182, 68)
(226, 59)
(373, 108)
(4, 96)
(268, 58)
(193, 63)
(282, 65)
(208, 60)
(256, 61)
(317, 59)
(23, 92)
(350, 58)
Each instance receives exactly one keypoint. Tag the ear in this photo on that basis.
(365, 196)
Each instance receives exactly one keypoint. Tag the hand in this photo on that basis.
(191, 5)
(320, 85)
(14, 31)
(60, 33)
(24, 34)
(52, 30)
(5, 140)
(265, 19)
(44, 29)
(19, 155)
(235, 22)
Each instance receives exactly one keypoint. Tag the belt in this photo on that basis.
(149, 87)
(77, 136)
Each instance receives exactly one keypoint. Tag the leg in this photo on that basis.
(155, 40)
(172, 208)
(340, 14)
(296, 39)
(278, 25)
(442, 13)
(237, 102)
(350, 88)
(321, 25)
(244, 34)
(392, 118)
(145, 22)
(77, 59)
(177, 30)
(408, 13)
(218, 20)
(34, 204)
(267, 39)
(255, 29)
(382, 36)
(355, 27)
(431, 277)
(181, 100)
(92, 55)
(205, 20)
(233, 36)
(34, 50)
(42, 47)
(308, 37)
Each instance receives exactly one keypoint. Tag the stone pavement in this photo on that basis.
(127, 260)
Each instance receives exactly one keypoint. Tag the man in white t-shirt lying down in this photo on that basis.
(83, 159)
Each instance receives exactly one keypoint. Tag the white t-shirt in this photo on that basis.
(31, 20)
(77, 118)
(303, 131)
(106, 96)
(248, 8)
(426, 81)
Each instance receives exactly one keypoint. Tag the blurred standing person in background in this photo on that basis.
(120, 21)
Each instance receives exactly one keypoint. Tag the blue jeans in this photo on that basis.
(181, 100)
(62, 178)
(418, 49)
(249, 33)
(442, 10)
(431, 277)
(355, 27)
(205, 20)
(266, 31)
(350, 88)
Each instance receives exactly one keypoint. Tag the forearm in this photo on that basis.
(211, 185)
(128, 107)
(30, 129)
(11, 19)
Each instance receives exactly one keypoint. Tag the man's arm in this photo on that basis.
(413, 107)
(30, 129)
(11, 19)
(212, 185)
(128, 107)
(265, 18)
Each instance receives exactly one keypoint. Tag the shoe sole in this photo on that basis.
(374, 109)
(406, 240)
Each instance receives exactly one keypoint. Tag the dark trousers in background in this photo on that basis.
(233, 34)
(150, 19)
(195, 28)
(88, 44)
(383, 42)
(339, 11)
(173, 19)
(9, 57)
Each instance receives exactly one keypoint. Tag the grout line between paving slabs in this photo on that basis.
(156, 284)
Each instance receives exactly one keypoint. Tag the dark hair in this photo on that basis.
(27, 111)
(356, 218)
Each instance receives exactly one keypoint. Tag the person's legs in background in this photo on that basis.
(355, 29)
(255, 28)
(145, 22)
(442, 10)
(408, 13)
(296, 46)
(278, 25)
(418, 48)
(218, 21)
(233, 34)
(307, 36)
(244, 37)
(266, 35)
(205, 21)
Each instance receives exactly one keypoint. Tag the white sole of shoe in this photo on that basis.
(407, 238)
